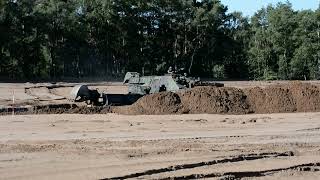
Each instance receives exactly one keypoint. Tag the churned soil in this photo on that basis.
(214, 100)
(270, 100)
(293, 97)
(159, 103)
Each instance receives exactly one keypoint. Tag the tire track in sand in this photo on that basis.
(248, 157)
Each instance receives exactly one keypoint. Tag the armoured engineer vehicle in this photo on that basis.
(138, 86)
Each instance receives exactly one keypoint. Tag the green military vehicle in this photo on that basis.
(138, 86)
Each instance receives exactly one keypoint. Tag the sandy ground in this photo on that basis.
(270, 146)
(46, 93)
(273, 146)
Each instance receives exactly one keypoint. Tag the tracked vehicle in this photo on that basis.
(138, 86)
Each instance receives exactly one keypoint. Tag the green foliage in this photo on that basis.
(57, 39)
(269, 75)
(218, 72)
(285, 43)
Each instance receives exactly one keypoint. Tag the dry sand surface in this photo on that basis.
(265, 146)
(193, 146)
(48, 93)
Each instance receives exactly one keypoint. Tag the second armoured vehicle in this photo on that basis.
(170, 82)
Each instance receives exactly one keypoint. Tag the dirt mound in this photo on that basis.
(270, 100)
(293, 97)
(306, 96)
(197, 100)
(159, 103)
(214, 100)
(69, 109)
(56, 109)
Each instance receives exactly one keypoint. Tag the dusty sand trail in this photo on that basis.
(259, 146)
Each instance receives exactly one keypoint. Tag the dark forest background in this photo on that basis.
(102, 39)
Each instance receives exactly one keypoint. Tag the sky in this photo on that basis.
(249, 7)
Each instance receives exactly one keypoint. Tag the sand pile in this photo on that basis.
(68, 109)
(306, 96)
(214, 100)
(197, 100)
(270, 100)
(294, 97)
(160, 103)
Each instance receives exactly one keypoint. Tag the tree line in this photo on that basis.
(60, 39)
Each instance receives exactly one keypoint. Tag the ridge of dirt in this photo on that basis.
(294, 97)
(206, 99)
(159, 103)
(271, 100)
(214, 100)
(56, 109)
